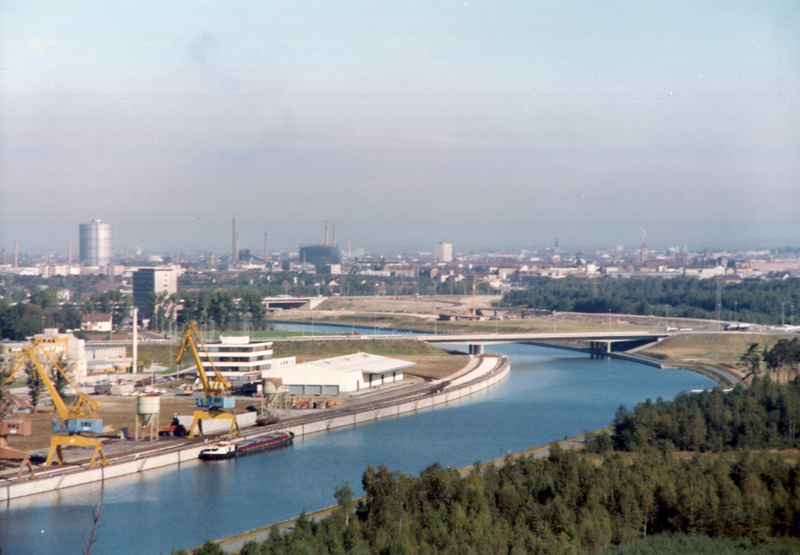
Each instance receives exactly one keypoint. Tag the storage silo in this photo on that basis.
(148, 416)
(96, 243)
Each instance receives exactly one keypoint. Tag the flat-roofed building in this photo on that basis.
(240, 359)
(443, 252)
(152, 280)
(96, 322)
(343, 374)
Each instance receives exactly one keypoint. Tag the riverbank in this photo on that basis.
(479, 374)
(233, 544)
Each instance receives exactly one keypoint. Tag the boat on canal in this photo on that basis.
(230, 449)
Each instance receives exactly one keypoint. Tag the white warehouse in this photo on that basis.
(344, 374)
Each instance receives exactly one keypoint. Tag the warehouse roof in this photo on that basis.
(365, 362)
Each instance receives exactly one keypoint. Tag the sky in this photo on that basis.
(488, 125)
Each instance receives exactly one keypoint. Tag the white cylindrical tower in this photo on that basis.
(96, 243)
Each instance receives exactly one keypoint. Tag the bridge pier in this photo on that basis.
(475, 349)
(597, 349)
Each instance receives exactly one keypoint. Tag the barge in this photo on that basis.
(229, 449)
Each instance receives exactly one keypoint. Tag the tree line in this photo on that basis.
(756, 301)
(571, 502)
(565, 503)
(763, 416)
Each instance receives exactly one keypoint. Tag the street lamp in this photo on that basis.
(783, 312)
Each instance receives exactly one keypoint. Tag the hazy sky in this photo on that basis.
(490, 125)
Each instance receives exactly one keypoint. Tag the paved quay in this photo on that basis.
(128, 457)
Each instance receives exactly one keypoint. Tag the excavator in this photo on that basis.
(217, 392)
(78, 419)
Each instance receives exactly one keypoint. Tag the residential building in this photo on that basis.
(96, 322)
(443, 252)
(152, 280)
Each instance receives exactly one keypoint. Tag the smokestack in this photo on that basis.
(70, 251)
(233, 243)
(266, 251)
(326, 233)
(236, 249)
(16, 255)
(334, 234)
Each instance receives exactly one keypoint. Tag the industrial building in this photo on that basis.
(320, 256)
(152, 280)
(344, 374)
(96, 243)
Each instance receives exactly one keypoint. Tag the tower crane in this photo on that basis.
(217, 391)
(475, 284)
(80, 418)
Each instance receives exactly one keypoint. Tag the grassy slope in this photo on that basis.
(716, 349)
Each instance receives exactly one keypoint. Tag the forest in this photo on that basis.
(765, 415)
(756, 301)
(738, 497)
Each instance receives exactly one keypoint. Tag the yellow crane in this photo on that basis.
(217, 391)
(13, 426)
(475, 284)
(78, 419)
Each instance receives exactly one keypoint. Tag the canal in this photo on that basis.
(550, 394)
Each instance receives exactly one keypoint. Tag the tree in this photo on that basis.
(34, 383)
(210, 548)
(751, 361)
(344, 498)
(57, 377)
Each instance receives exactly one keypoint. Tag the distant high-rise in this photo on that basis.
(96, 243)
(148, 281)
(444, 252)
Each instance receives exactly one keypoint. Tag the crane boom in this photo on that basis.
(84, 407)
(218, 391)
(82, 417)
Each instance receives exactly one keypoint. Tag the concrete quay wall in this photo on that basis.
(490, 371)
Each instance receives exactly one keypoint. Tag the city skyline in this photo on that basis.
(487, 126)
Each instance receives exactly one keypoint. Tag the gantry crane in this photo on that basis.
(13, 426)
(78, 419)
(217, 392)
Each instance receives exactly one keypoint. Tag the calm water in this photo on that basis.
(550, 394)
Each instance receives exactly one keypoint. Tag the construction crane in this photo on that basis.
(80, 418)
(217, 392)
(475, 284)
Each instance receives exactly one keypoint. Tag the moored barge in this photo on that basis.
(229, 449)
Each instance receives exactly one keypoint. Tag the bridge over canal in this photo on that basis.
(599, 342)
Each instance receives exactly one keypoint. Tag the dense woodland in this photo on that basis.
(756, 301)
(741, 499)
(765, 415)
